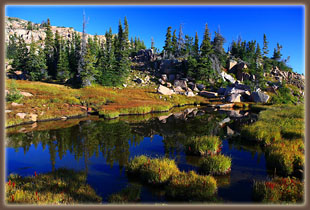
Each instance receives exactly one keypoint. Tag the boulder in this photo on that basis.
(231, 64)
(178, 89)
(33, 117)
(164, 77)
(26, 94)
(201, 87)
(191, 85)
(180, 83)
(189, 94)
(161, 81)
(259, 97)
(208, 94)
(139, 81)
(21, 115)
(236, 97)
(227, 77)
(169, 84)
(229, 131)
(164, 90)
(221, 91)
(16, 104)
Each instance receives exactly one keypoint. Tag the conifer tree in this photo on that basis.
(265, 47)
(258, 53)
(63, 72)
(181, 42)
(49, 49)
(20, 57)
(206, 47)
(168, 44)
(196, 46)
(35, 64)
(152, 44)
(174, 44)
(11, 49)
(56, 53)
(189, 48)
(277, 52)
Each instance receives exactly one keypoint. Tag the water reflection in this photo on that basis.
(97, 141)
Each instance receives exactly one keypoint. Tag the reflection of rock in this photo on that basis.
(230, 131)
(225, 106)
(226, 120)
(236, 97)
(164, 118)
(208, 94)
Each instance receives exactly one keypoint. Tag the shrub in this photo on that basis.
(14, 94)
(203, 145)
(134, 166)
(215, 165)
(191, 187)
(109, 115)
(278, 190)
(129, 194)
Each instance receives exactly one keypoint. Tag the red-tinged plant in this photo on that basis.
(12, 198)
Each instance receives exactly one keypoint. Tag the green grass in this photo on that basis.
(279, 190)
(191, 187)
(215, 165)
(60, 187)
(203, 145)
(281, 130)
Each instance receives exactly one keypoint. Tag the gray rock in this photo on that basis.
(227, 77)
(164, 77)
(21, 115)
(164, 90)
(201, 87)
(259, 97)
(226, 120)
(169, 84)
(26, 94)
(229, 131)
(231, 64)
(180, 83)
(161, 81)
(236, 97)
(208, 94)
(221, 91)
(16, 104)
(189, 94)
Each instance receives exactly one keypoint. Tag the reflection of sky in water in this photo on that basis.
(107, 179)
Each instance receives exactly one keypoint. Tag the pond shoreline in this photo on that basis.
(96, 113)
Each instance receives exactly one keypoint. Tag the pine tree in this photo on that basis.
(35, 64)
(265, 47)
(196, 46)
(152, 44)
(189, 45)
(168, 44)
(277, 52)
(234, 49)
(49, 49)
(258, 53)
(181, 42)
(206, 47)
(174, 44)
(11, 49)
(56, 53)
(218, 43)
(20, 57)
(63, 72)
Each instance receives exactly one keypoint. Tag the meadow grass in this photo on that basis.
(130, 194)
(203, 145)
(215, 165)
(51, 101)
(279, 190)
(60, 187)
(280, 128)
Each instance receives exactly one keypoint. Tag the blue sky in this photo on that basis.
(283, 24)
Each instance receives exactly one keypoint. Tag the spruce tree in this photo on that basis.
(168, 44)
(56, 53)
(265, 47)
(206, 47)
(258, 53)
(196, 46)
(181, 42)
(277, 52)
(49, 49)
(63, 72)
(11, 49)
(152, 44)
(174, 44)
(35, 64)
(20, 57)
(189, 45)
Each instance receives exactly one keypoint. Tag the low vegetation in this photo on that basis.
(180, 185)
(191, 187)
(60, 187)
(215, 165)
(279, 190)
(281, 130)
(50, 101)
(203, 145)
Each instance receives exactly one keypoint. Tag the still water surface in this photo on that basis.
(102, 149)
